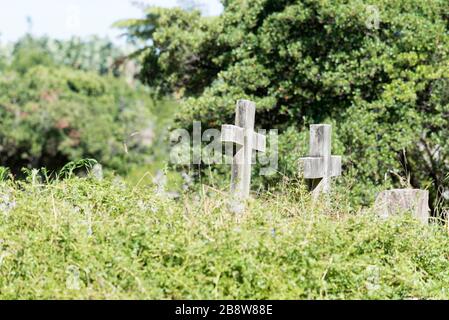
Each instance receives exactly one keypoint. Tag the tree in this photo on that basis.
(90, 54)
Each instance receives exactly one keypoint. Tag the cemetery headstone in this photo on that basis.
(396, 201)
(97, 171)
(160, 180)
(320, 165)
(246, 140)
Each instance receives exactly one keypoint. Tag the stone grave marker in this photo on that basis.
(246, 140)
(397, 201)
(320, 165)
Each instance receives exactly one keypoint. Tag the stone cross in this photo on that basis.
(246, 140)
(321, 165)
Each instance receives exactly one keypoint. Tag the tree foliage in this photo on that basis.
(51, 112)
(383, 84)
(91, 54)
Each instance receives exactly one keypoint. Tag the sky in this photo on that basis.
(62, 19)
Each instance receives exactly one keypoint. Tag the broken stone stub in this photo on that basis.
(397, 201)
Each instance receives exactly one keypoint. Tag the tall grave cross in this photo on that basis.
(321, 165)
(246, 140)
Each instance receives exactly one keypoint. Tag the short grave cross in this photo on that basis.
(321, 165)
(242, 134)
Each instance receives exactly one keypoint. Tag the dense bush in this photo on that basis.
(51, 115)
(384, 86)
(84, 239)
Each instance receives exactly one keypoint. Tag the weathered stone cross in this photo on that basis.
(321, 165)
(246, 140)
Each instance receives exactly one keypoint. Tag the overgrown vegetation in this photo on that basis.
(89, 239)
